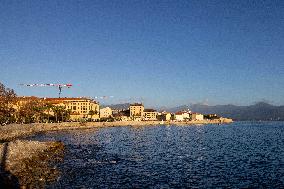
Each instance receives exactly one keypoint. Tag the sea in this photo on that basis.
(236, 155)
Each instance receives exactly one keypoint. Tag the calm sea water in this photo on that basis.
(238, 155)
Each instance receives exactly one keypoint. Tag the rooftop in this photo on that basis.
(136, 104)
(27, 97)
(149, 110)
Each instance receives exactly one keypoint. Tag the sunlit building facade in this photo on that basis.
(136, 111)
(80, 108)
(150, 115)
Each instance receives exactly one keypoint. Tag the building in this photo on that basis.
(115, 111)
(136, 111)
(122, 115)
(179, 116)
(80, 108)
(182, 116)
(197, 117)
(164, 116)
(150, 114)
(186, 115)
(211, 116)
(105, 112)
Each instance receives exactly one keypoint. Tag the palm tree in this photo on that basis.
(61, 112)
(38, 109)
(91, 113)
(48, 107)
(67, 114)
(56, 111)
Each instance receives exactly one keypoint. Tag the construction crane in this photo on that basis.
(96, 98)
(59, 86)
(103, 97)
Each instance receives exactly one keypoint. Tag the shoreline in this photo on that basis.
(13, 131)
(27, 163)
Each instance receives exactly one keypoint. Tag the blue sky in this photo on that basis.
(167, 52)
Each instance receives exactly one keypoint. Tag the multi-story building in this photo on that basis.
(150, 114)
(164, 116)
(105, 112)
(179, 116)
(121, 115)
(197, 117)
(136, 111)
(79, 107)
(182, 115)
(211, 116)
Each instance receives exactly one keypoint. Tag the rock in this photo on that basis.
(30, 163)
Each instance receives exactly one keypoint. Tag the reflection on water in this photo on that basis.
(238, 155)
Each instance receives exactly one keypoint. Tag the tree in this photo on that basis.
(48, 107)
(32, 111)
(67, 114)
(7, 102)
(91, 113)
(58, 112)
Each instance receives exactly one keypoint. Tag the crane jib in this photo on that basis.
(60, 86)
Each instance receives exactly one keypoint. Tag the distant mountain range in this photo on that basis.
(117, 106)
(259, 111)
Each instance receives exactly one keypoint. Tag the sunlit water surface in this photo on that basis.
(238, 155)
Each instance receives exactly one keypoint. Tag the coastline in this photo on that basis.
(31, 163)
(14, 131)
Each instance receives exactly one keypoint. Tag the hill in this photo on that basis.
(258, 111)
(117, 106)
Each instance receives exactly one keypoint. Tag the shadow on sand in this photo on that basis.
(7, 180)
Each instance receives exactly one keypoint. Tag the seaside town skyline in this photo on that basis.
(165, 52)
(33, 109)
(141, 94)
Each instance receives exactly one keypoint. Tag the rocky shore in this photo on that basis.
(29, 164)
(14, 131)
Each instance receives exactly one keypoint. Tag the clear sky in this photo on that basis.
(167, 52)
